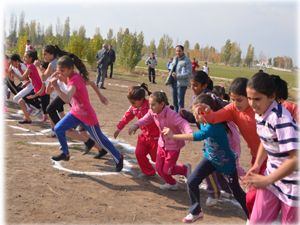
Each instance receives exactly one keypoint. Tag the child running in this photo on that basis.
(81, 110)
(240, 112)
(147, 140)
(278, 188)
(168, 149)
(217, 157)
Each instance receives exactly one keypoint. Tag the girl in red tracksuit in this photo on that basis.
(147, 140)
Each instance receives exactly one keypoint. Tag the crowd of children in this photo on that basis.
(257, 109)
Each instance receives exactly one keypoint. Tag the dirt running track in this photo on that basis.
(37, 193)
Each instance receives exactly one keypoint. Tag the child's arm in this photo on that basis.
(42, 89)
(169, 133)
(286, 168)
(46, 73)
(25, 75)
(147, 119)
(102, 98)
(222, 115)
(128, 116)
(66, 97)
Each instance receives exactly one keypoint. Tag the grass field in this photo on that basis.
(229, 72)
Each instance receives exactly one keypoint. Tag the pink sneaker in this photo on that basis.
(190, 218)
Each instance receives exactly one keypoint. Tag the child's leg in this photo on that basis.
(223, 183)
(266, 207)
(213, 188)
(289, 214)
(202, 170)
(66, 123)
(141, 153)
(170, 168)
(52, 109)
(152, 144)
(238, 193)
(45, 99)
(103, 141)
(160, 160)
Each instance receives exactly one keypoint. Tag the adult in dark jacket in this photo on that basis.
(112, 59)
(102, 65)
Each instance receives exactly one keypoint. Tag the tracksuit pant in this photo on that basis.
(202, 170)
(69, 121)
(166, 165)
(146, 145)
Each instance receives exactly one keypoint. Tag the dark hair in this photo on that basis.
(220, 91)
(44, 64)
(262, 83)
(53, 50)
(138, 92)
(212, 102)
(69, 60)
(16, 57)
(180, 46)
(160, 97)
(281, 87)
(200, 77)
(238, 86)
(210, 84)
(32, 55)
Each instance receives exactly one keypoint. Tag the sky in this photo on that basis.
(270, 26)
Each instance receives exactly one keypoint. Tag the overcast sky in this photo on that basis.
(270, 26)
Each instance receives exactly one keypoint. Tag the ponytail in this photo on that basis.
(138, 92)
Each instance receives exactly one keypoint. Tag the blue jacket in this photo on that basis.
(183, 70)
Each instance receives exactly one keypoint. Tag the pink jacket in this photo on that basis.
(167, 118)
(150, 130)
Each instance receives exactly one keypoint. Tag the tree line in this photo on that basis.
(129, 46)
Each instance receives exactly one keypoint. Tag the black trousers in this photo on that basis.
(111, 66)
(151, 73)
(55, 107)
(45, 99)
(202, 170)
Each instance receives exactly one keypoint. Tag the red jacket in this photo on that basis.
(150, 130)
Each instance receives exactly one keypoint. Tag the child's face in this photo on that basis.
(239, 101)
(136, 103)
(197, 87)
(64, 71)
(48, 57)
(258, 101)
(14, 63)
(199, 118)
(27, 59)
(155, 106)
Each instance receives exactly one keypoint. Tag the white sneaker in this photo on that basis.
(211, 202)
(167, 186)
(224, 194)
(190, 218)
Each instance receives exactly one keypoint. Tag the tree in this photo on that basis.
(58, 28)
(197, 46)
(165, 46)
(12, 36)
(21, 30)
(186, 45)
(94, 45)
(81, 32)
(76, 45)
(21, 44)
(249, 56)
(110, 36)
(152, 46)
(49, 31)
(226, 52)
(235, 54)
(66, 33)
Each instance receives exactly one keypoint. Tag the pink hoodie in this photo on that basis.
(167, 118)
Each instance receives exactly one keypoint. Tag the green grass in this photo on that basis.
(229, 72)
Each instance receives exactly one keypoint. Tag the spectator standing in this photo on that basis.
(205, 68)
(102, 65)
(151, 62)
(112, 59)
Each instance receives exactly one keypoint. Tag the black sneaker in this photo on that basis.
(60, 157)
(100, 154)
(119, 166)
(88, 146)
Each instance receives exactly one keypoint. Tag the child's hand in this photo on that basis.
(133, 129)
(201, 108)
(30, 96)
(53, 82)
(167, 132)
(116, 134)
(256, 180)
(104, 100)
(37, 63)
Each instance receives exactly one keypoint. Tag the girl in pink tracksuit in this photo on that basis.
(168, 150)
(147, 140)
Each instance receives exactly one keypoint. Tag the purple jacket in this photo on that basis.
(167, 118)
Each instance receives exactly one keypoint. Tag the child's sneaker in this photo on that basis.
(190, 218)
(171, 187)
(119, 165)
(211, 201)
(100, 154)
(60, 157)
